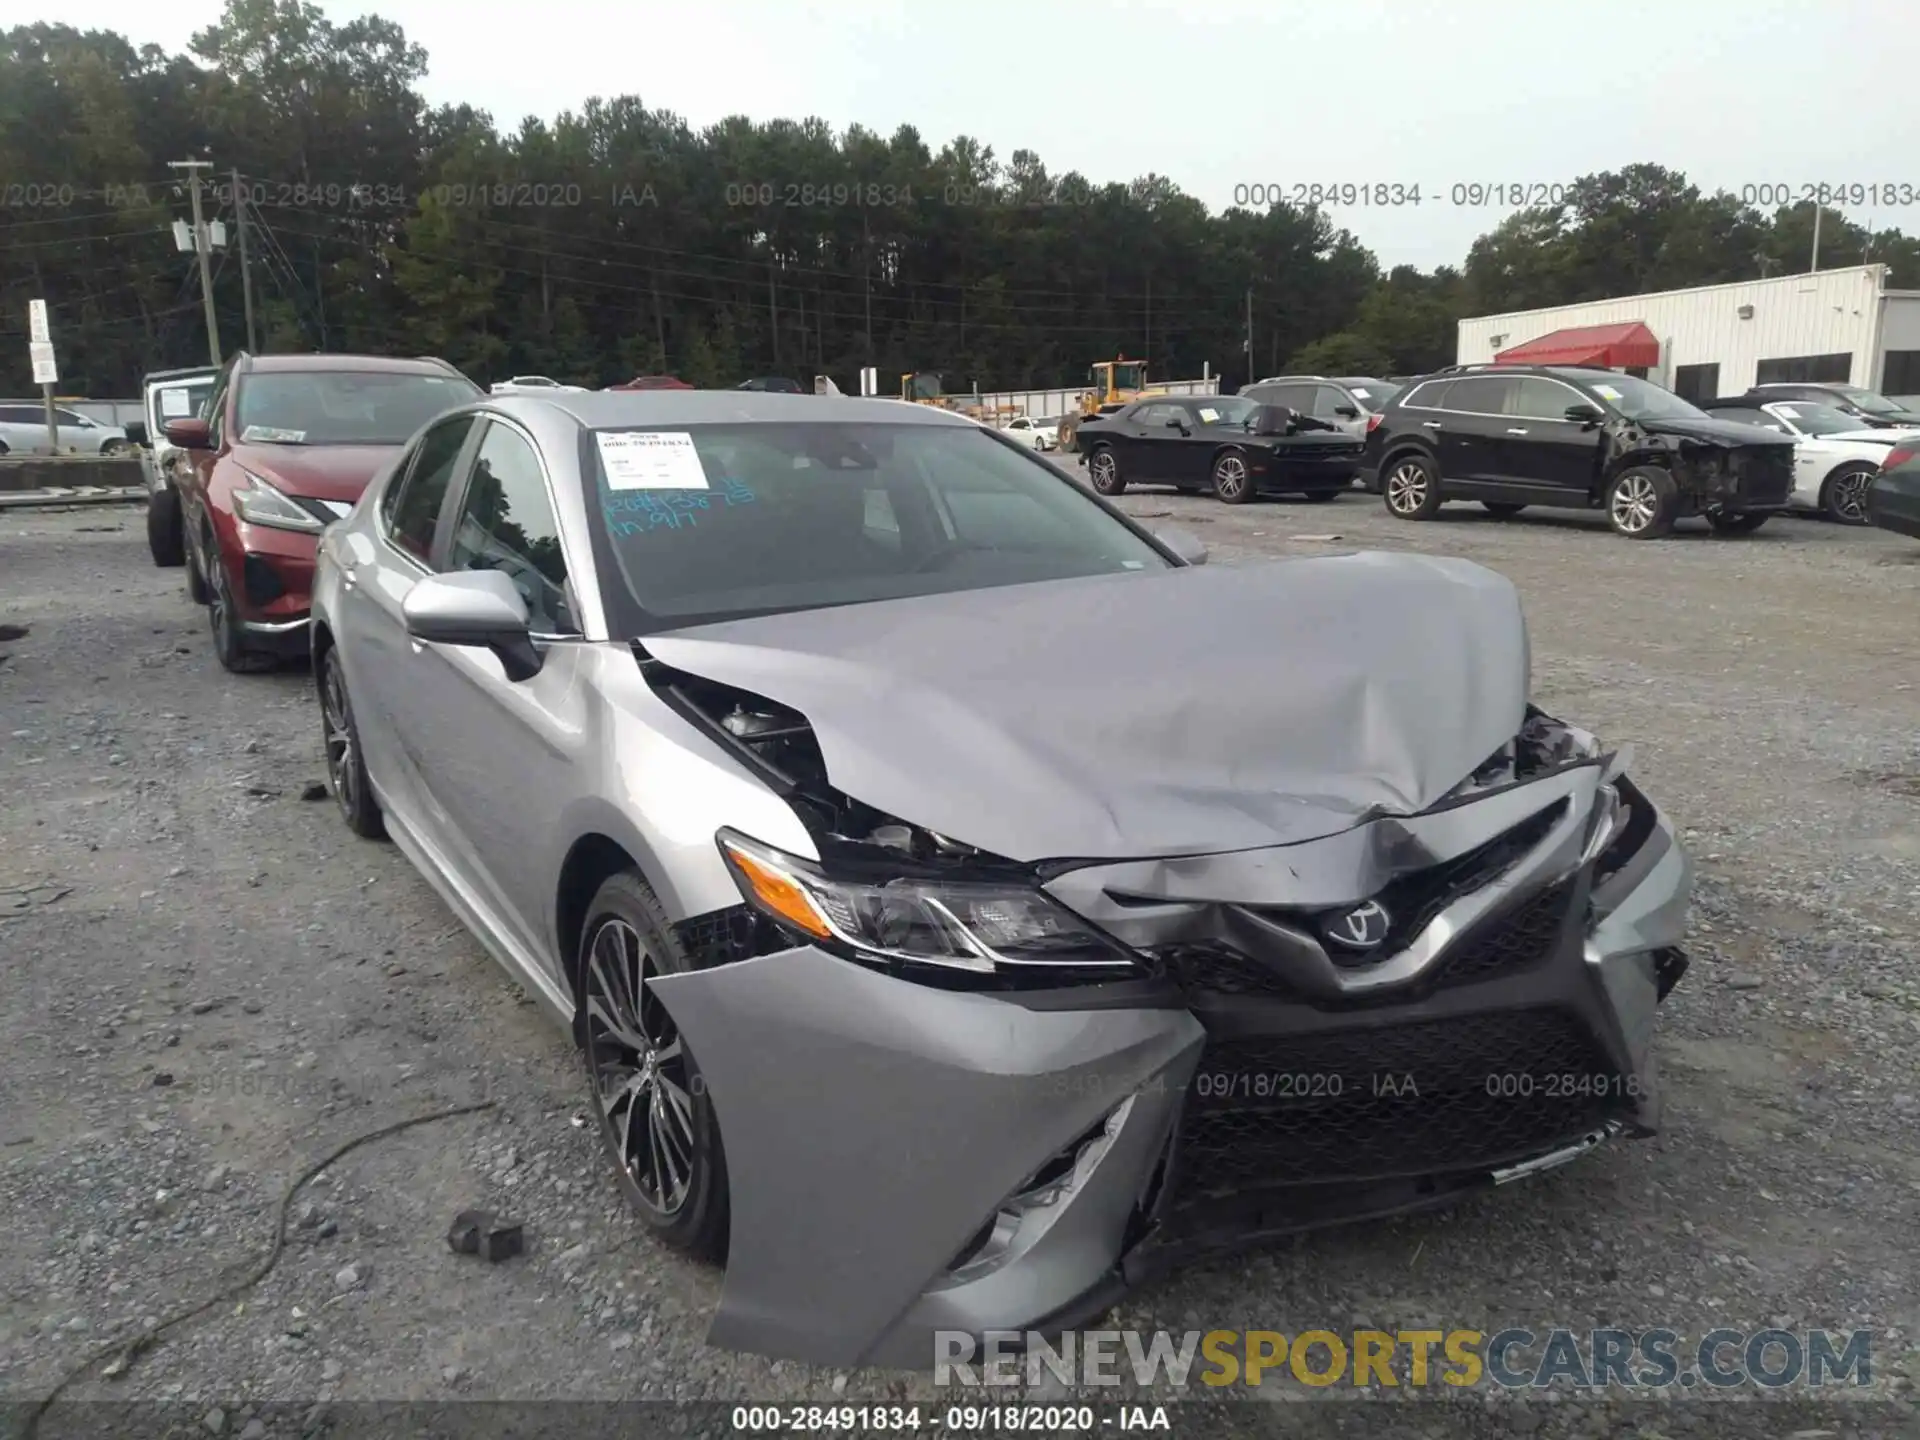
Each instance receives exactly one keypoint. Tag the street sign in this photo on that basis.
(37, 331)
(45, 370)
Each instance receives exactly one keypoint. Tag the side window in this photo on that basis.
(217, 408)
(1480, 395)
(412, 503)
(1539, 399)
(506, 523)
(1155, 417)
(1431, 396)
(1329, 398)
(1294, 397)
(16, 415)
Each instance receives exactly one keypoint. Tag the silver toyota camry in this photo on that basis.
(965, 902)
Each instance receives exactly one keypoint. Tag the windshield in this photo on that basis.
(1870, 401)
(343, 407)
(1227, 410)
(182, 402)
(722, 521)
(1816, 419)
(1642, 400)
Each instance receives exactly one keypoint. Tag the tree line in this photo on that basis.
(616, 240)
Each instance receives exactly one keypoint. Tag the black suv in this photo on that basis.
(1874, 411)
(1568, 436)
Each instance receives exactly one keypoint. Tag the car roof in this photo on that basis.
(361, 364)
(160, 377)
(1749, 401)
(612, 409)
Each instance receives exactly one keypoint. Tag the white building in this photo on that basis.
(1836, 326)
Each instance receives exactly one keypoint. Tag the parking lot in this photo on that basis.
(211, 984)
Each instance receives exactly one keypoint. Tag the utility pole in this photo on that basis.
(1817, 207)
(1147, 353)
(246, 276)
(1249, 341)
(202, 244)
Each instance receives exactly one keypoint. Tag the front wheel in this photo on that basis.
(1232, 479)
(1103, 472)
(346, 762)
(1642, 503)
(230, 645)
(110, 449)
(165, 541)
(1412, 489)
(1844, 497)
(656, 1118)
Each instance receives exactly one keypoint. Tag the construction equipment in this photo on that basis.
(1111, 384)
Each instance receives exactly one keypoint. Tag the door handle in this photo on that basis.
(1431, 424)
(1512, 431)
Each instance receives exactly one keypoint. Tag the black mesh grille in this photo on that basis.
(1514, 942)
(1364, 1104)
(1221, 969)
(721, 937)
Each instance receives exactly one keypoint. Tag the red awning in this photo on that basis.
(1630, 346)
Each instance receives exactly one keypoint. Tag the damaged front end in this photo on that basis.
(1714, 476)
(959, 1092)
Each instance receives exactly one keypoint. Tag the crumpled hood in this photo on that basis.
(1179, 712)
(1706, 428)
(318, 472)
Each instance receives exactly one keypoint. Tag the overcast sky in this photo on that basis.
(1229, 94)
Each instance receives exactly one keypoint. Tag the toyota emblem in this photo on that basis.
(1364, 927)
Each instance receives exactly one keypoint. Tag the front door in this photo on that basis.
(496, 751)
(1539, 448)
(1157, 438)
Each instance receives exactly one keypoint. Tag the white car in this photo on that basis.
(1034, 434)
(534, 385)
(1834, 456)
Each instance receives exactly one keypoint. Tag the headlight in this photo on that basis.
(984, 929)
(260, 504)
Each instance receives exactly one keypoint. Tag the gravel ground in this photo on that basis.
(210, 985)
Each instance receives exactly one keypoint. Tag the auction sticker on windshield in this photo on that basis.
(1207, 417)
(651, 460)
(1608, 391)
(173, 403)
(271, 435)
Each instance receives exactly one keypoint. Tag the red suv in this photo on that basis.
(288, 445)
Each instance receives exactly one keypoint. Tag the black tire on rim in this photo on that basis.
(1844, 497)
(346, 764)
(113, 447)
(1103, 472)
(223, 618)
(1232, 478)
(1501, 509)
(164, 541)
(1410, 488)
(197, 590)
(656, 1119)
(1642, 503)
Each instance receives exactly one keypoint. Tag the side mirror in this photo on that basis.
(190, 434)
(479, 608)
(1176, 423)
(1186, 546)
(136, 432)
(1585, 414)
(1346, 412)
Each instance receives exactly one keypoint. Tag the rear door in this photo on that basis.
(1473, 425)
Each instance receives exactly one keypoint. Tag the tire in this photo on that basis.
(627, 937)
(1843, 499)
(197, 590)
(346, 762)
(1232, 479)
(1737, 524)
(230, 645)
(1642, 503)
(165, 542)
(1501, 509)
(110, 448)
(1103, 472)
(1410, 488)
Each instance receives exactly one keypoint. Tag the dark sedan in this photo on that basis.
(1234, 447)
(1893, 500)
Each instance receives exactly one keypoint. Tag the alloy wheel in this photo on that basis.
(639, 1068)
(1230, 477)
(1850, 496)
(342, 771)
(1104, 469)
(1406, 489)
(1634, 504)
(217, 599)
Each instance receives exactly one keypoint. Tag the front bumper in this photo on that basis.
(905, 1160)
(271, 577)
